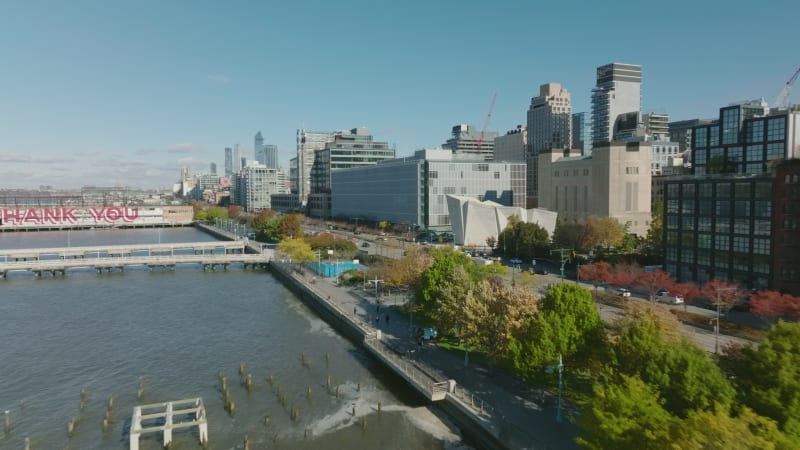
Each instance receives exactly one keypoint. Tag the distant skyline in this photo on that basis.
(125, 93)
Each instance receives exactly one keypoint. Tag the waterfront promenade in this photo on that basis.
(504, 411)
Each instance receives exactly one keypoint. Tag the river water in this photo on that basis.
(175, 331)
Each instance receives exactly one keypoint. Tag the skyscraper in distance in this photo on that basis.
(549, 125)
(258, 149)
(271, 156)
(616, 100)
(228, 161)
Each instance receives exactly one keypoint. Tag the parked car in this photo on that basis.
(622, 292)
(427, 334)
(668, 298)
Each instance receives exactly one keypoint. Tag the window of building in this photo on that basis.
(704, 207)
(741, 208)
(700, 137)
(723, 190)
(672, 190)
(433, 174)
(754, 131)
(555, 173)
(631, 170)
(713, 136)
(762, 227)
(741, 244)
(480, 167)
(672, 222)
(722, 208)
(687, 223)
(704, 224)
(722, 225)
(721, 243)
(730, 125)
(741, 226)
(704, 240)
(761, 246)
(735, 154)
(703, 258)
(776, 128)
(497, 175)
(775, 151)
(672, 239)
(700, 156)
(755, 152)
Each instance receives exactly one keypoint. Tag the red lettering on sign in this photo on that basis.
(97, 213)
(51, 215)
(31, 216)
(113, 214)
(129, 216)
(67, 215)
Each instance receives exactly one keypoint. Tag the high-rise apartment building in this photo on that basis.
(271, 156)
(307, 143)
(212, 168)
(228, 161)
(349, 149)
(616, 100)
(656, 125)
(237, 159)
(582, 133)
(512, 146)
(468, 140)
(254, 186)
(549, 127)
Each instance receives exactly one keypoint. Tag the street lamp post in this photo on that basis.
(716, 325)
(560, 368)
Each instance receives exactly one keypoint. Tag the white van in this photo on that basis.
(668, 298)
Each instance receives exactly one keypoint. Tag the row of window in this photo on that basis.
(754, 130)
(575, 172)
(761, 190)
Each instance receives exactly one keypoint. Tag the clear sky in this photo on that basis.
(113, 92)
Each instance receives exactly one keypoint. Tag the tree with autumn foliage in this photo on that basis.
(689, 292)
(597, 273)
(654, 281)
(721, 293)
(625, 274)
(297, 250)
(774, 305)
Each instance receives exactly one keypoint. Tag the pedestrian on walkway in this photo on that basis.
(354, 310)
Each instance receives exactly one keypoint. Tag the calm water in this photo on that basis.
(176, 331)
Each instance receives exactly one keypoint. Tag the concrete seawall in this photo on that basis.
(478, 429)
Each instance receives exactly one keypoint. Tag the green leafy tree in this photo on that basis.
(654, 242)
(297, 250)
(768, 378)
(201, 215)
(683, 374)
(718, 429)
(445, 261)
(266, 225)
(217, 212)
(523, 240)
(567, 324)
(627, 414)
(291, 226)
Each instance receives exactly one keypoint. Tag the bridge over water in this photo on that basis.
(7, 255)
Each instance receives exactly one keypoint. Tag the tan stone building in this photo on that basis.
(614, 181)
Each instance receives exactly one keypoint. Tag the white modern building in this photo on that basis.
(474, 221)
(616, 99)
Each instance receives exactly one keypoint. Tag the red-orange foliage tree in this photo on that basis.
(654, 281)
(597, 273)
(689, 292)
(625, 274)
(721, 292)
(774, 305)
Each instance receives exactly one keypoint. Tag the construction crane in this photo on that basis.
(783, 98)
(486, 122)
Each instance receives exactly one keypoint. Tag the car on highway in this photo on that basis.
(668, 298)
(622, 292)
(427, 334)
(515, 261)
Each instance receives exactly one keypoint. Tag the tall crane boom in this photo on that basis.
(486, 122)
(783, 97)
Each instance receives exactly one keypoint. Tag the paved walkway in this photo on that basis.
(526, 417)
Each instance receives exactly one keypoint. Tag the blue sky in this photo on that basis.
(125, 93)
